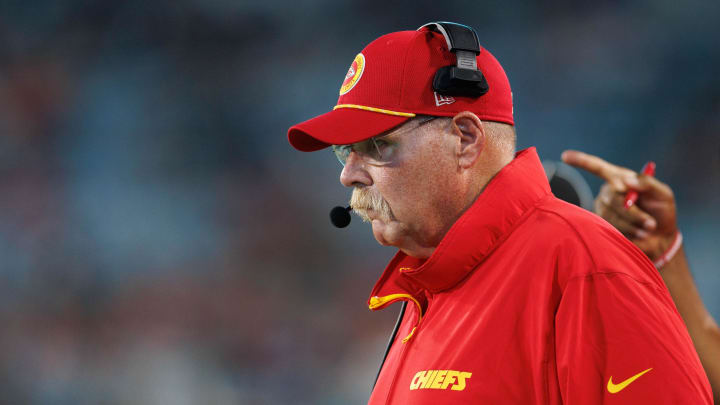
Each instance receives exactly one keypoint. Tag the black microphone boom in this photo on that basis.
(340, 216)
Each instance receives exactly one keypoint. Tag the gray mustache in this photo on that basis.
(363, 200)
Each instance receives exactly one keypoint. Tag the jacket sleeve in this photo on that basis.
(619, 340)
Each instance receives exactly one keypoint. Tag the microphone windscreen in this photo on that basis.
(340, 217)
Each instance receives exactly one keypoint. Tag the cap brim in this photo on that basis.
(341, 127)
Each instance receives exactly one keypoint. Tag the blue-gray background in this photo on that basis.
(160, 242)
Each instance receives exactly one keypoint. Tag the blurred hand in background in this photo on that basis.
(650, 223)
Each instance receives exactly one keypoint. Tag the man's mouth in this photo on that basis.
(366, 213)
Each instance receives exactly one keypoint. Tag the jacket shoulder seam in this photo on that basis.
(595, 269)
(611, 273)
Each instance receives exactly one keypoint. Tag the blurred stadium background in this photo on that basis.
(161, 243)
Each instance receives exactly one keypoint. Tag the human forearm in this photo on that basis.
(703, 329)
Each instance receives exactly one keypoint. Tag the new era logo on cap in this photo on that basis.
(390, 81)
(442, 100)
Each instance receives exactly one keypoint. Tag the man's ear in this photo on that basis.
(471, 131)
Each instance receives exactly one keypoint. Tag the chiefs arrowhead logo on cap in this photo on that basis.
(353, 75)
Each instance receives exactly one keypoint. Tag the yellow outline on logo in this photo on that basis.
(348, 85)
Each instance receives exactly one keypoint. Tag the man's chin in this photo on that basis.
(387, 234)
(377, 229)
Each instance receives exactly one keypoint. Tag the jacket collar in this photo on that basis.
(509, 196)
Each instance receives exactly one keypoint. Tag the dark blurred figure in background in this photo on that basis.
(568, 184)
(651, 224)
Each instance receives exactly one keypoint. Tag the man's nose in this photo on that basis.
(354, 173)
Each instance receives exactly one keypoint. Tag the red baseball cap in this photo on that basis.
(390, 81)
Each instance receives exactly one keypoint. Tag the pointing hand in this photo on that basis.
(651, 223)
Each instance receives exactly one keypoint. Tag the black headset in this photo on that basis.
(462, 80)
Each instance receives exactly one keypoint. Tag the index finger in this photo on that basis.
(591, 163)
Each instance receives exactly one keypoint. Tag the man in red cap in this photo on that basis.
(515, 296)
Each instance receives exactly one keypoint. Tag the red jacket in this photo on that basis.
(530, 300)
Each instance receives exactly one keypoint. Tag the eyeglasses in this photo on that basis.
(378, 150)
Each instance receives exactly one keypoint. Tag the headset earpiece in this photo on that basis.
(464, 79)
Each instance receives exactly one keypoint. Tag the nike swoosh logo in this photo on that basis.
(615, 388)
